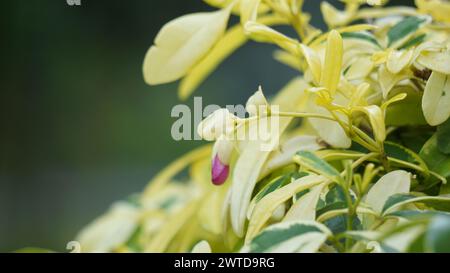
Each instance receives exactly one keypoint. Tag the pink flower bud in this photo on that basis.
(219, 171)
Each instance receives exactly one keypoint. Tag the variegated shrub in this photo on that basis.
(365, 171)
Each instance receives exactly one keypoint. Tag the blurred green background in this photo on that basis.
(79, 127)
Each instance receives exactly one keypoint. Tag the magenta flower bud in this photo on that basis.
(219, 171)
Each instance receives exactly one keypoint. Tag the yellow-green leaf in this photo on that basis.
(249, 10)
(437, 8)
(313, 61)
(334, 17)
(376, 118)
(331, 72)
(314, 163)
(262, 33)
(288, 59)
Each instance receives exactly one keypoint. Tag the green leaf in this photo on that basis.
(398, 151)
(404, 28)
(396, 199)
(437, 237)
(335, 200)
(338, 224)
(333, 206)
(443, 137)
(403, 235)
(316, 164)
(290, 237)
(134, 242)
(33, 250)
(413, 41)
(408, 111)
(438, 161)
(272, 186)
(436, 202)
(417, 214)
(335, 194)
(412, 138)
(366, 36)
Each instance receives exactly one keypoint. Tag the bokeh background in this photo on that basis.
(79, 128)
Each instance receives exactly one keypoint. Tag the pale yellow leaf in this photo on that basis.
(360, 68)
(267, 205)
(329, 130)
(253, 157)
(110, 230)
(201, 247)
(285, 153)
(398, 60)
(436, 61)
(352, 28)
(168, 231)
(388, 80)
(164, 176)
(436, 99)
(232, 40)
(392, 183)
(305, 207)
(181, 43)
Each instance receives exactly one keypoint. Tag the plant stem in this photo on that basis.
(301, 115)
(351, 211)
(360, 137)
